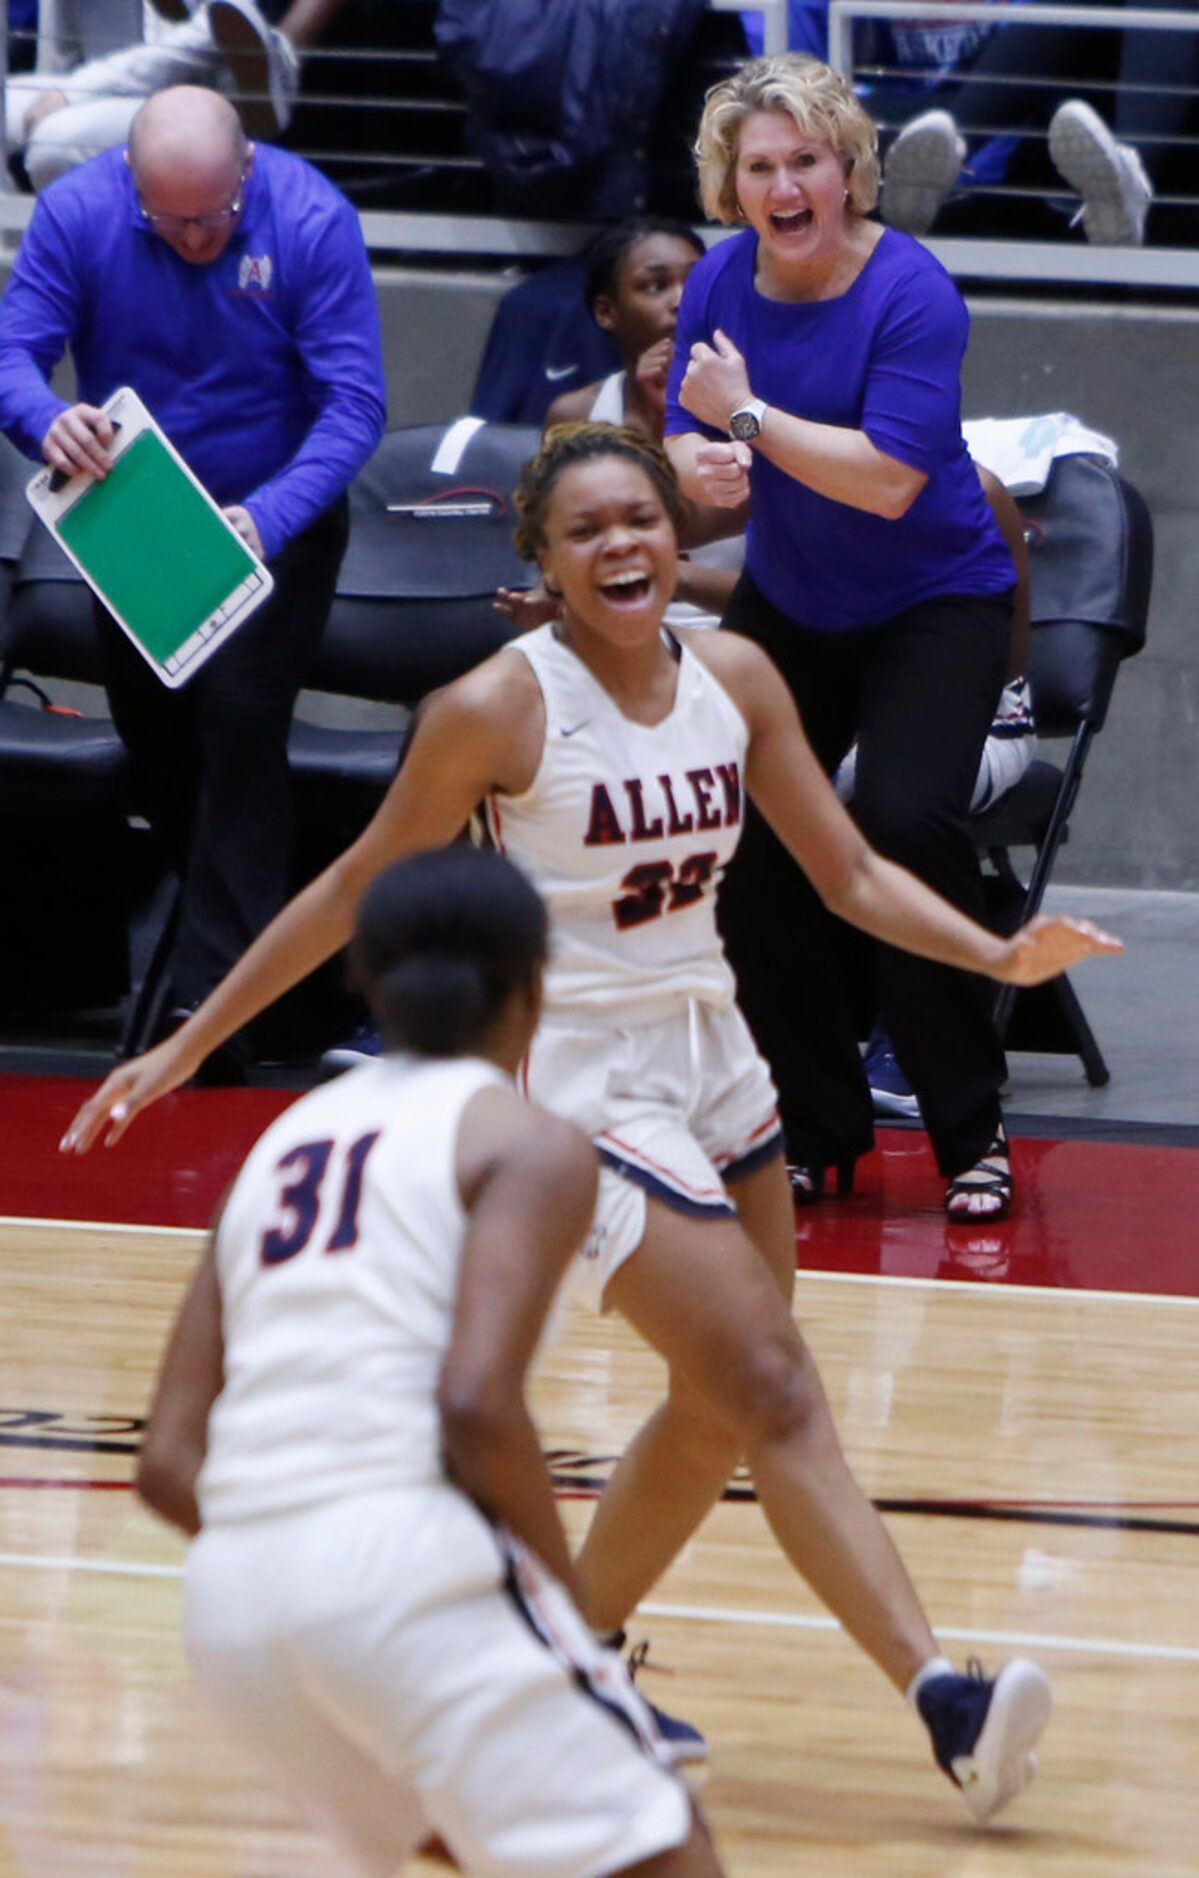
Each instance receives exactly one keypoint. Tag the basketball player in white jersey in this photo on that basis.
(611, 758)
(376, 1604)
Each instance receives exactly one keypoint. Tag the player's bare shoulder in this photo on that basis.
(499, 710)
(747, 674)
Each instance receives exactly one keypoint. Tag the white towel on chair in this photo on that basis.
(1020, 450)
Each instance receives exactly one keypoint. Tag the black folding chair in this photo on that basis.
(1091, 549)
(413, 610)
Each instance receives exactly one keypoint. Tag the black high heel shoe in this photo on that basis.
(807, 1181)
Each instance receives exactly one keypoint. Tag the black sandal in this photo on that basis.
(991, 1177)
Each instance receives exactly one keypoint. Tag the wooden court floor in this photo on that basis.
(1038, 1448)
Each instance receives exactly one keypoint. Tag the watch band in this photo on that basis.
(745, 423)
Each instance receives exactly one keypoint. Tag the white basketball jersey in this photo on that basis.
(625, 833)
(338, 1260)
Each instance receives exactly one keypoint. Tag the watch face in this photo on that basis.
(744, 426)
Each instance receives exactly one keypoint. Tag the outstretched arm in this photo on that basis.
(885, 900)
(465, 745)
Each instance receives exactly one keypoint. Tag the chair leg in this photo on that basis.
(149, 995)
(1004, 1006)
(1059, 1024)
(1097, 1071)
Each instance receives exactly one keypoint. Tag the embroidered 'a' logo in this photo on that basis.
(255, 270)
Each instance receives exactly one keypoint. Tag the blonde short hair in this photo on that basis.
(822, 104)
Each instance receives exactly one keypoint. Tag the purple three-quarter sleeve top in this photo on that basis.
(884, 358)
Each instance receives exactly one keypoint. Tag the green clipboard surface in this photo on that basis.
(154, 546)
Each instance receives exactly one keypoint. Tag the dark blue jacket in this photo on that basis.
(563, 94)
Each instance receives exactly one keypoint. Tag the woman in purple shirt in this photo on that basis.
(817, 365)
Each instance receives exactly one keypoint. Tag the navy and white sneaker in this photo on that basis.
(365, 1046)
(686, 1746)
(984, 1730)
(890, 1090)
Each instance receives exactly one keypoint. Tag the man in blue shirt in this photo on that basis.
(229, 285)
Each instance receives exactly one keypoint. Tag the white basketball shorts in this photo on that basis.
(404, 1669)
(678, 1107)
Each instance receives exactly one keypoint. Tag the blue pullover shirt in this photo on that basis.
(264, 367)
(884, 357)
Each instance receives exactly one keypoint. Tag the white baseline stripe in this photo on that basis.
(707, 1614)
(102, 1225)
(796, 1620)
(119, 1568)
(962, 1286)
(958, 1285)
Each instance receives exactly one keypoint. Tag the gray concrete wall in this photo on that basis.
(1134, 374)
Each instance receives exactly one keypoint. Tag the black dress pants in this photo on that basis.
(209, 761)
(919, 693)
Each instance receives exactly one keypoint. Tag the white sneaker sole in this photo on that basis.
(1003, 1761)
(1108, 176)
(921, 170)
(687, 1753)
(264, 72)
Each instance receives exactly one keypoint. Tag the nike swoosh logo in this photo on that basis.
(554, 372)
(573, 729)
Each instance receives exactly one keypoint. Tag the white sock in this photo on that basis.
(936, 1666)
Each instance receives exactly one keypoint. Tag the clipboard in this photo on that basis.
(152, 543)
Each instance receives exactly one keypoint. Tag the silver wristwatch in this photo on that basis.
(746, 421)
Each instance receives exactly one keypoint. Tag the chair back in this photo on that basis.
(1091, 572)
(428, 548)
(413, 609)
(51, 625)
(16, 516)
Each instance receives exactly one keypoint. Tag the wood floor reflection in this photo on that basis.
(1063, 1427)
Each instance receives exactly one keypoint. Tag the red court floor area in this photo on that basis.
(1092, 1215)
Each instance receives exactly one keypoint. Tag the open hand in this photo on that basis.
(526, 607)
(716, 381)
(1049, 945)
(130, 1088)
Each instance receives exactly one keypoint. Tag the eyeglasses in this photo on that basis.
(209, 224)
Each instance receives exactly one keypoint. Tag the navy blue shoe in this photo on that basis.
(686, 1746)
(984, 1731)
(365, 1046)
(890, 1090)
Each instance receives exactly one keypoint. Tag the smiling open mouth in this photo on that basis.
(793, 224)
(628, 589)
